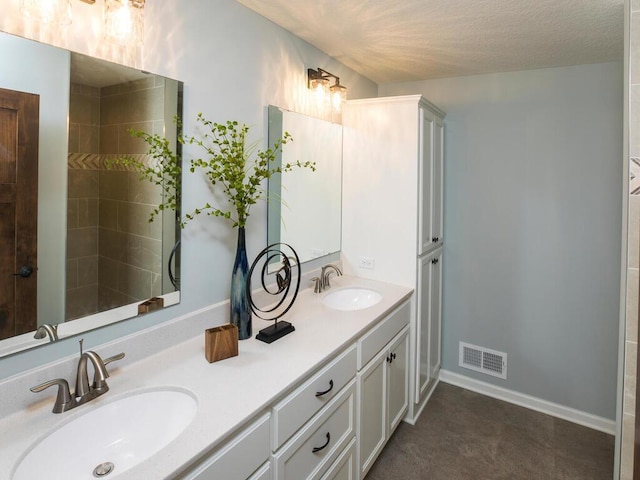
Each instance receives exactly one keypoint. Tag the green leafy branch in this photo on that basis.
(227, 161)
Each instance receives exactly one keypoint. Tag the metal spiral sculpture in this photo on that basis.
(282, 289)
(175, 281)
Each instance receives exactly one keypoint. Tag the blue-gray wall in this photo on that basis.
(533, 192)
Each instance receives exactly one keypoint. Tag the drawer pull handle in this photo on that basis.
(317, 449)
(319, 394)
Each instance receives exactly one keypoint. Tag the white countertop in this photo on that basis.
(229, 393)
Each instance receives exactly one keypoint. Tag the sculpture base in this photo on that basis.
(274, 332)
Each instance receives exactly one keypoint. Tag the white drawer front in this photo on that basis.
(294, 411)
(239, 458)
(374, 340)
(344, 468)
(333, 428)
(263, 474)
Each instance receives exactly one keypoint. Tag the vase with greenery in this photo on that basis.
(235, 166)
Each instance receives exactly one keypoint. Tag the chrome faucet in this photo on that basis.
(322, 282)
(45, 330)
(84, 392)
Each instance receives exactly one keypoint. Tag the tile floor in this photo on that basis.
(464, 435)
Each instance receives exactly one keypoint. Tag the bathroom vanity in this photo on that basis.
(318, 404)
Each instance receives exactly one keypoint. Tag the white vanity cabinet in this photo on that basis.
(309, 434)
(288, 410)
(382, 385)
(393, 213)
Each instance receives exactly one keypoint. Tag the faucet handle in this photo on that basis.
(64, 401)
(317, 288)
(119, 356)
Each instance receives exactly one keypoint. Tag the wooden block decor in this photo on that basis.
(150, 305)
(221, 342)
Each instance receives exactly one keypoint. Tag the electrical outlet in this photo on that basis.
(367, 262)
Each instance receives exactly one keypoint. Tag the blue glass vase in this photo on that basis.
(240, 311)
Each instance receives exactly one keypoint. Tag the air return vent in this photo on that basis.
(483, 360)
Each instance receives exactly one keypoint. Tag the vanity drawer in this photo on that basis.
(298, 407)
(263, 474)
(330, 431)
(374, 340)
(344, 468)
(239, 458)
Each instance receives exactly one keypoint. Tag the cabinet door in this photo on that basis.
(437, 181)
(398, 380)
(372, 398)
(423, 311)
(425, 169)
(435, 316)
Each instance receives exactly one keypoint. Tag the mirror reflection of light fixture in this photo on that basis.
(320, 82)
(123, 21)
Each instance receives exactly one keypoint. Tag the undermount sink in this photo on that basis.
(352, 298)
(111, 438)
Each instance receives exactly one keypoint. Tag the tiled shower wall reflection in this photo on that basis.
(114, 254)
(631, 333)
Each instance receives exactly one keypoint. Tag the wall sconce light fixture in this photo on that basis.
(320, 82)
(123, 19)
(47, 11)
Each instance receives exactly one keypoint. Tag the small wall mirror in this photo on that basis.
(95, 257)
(305, 206)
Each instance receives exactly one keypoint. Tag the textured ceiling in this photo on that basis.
(405, 40)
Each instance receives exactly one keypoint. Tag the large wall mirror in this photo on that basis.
(305, 206)
(90, 256)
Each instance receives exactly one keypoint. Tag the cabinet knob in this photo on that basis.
(434, 261)
(393, 356)
(435, 239)
(317, 449)
(319, 394)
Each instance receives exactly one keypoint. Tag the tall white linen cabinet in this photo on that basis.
(392, 226)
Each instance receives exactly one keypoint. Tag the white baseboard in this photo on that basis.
(555, 410)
